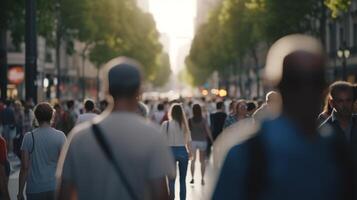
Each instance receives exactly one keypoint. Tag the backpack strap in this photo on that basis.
(167, 127)
(104, 145)
(33, 142)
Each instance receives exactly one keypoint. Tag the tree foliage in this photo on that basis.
(237, 27)
(110, 28)
(114, 28)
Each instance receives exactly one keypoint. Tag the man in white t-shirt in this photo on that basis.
(159, 114)
(140, 159)
(89, 114)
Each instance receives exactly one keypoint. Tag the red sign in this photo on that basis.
(16, 75)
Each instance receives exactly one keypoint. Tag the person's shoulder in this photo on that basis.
(58, 132)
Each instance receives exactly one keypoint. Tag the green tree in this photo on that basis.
(163, 71)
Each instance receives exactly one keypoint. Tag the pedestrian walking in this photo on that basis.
(69, 117)
(273, 163)
(158, 114)
(239, 114)
(178, 137)
(88, 114)
(200, 133)
(40, 152)
(4, 171)
(120, 155)
(9, 125)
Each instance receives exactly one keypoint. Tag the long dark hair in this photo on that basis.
(177, 114)
(197, 113)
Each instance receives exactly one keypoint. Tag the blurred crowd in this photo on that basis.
(286, 146)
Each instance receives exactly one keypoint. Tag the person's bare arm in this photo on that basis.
(208, 131)
(159, 189)
(25, 162)
(67, 191)
(3, 183)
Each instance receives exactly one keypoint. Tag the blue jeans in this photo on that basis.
(181, 156)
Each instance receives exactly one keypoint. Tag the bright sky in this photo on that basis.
(175, 18)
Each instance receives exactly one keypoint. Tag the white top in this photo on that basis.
(137, 147)
(174, 134)
(157, 116)
(85, 117)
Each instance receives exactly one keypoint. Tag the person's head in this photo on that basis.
(103, 104)
(241, 108)
(18, 105)
(197, 112)
(160, 107)
(123, 82)
(220, 105)
(251, 108)
(70, 104)
(43, 113)
(57, 107)
(89, 105)
(296, 66)
(341, 98)
(177, 114)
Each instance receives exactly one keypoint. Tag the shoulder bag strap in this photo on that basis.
(103, 143)
(33, 142)
(167, 127)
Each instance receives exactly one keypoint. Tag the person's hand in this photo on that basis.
(20, 197)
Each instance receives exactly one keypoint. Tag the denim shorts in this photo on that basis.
(200, 145)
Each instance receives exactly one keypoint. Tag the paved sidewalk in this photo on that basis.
(194, 191)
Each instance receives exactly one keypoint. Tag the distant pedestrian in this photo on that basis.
(40, 152)
(69, 117)
(58, 119)
(240, 113)
(89, 113)
(200, 133)
(9, 125)
(103, 105)
(217, 120)
(120, 155)
(178, 137)
(4, 171)
(159, 114)
(251, 108)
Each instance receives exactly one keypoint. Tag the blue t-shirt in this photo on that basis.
(43, 159)
(297, 167)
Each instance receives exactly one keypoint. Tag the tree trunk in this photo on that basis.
(240, 80)
(323, 22)
(83, 83)
(256, 70)
(58, 48)
(3, 65)
(98, 84)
